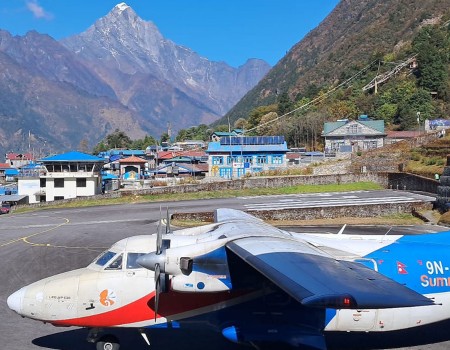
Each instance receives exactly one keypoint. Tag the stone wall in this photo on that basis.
(412, 182)
(360, 211)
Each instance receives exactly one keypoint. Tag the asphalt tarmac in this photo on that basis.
(40, 244)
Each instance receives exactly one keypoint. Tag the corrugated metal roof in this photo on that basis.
(377, 125)
(12, 198)
(73, 157)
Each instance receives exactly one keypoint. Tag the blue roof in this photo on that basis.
(11, 172)
(217, 147)
(109, 177)
(73, 157)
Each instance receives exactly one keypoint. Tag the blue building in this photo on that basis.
(236, 156)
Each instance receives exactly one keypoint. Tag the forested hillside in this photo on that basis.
(357, 34)
(422, 85)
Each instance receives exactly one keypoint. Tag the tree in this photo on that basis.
(284, 104)
(343, 109)
(256, 115)
(117, 139)
(267, 127)
(143, 143)
(432, 45)
(421, 102)
(165, 137)
(241, 123)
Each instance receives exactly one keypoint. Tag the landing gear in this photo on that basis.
(108, 342)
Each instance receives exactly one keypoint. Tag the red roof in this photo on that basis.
(132, 159)
(19, 156)
(163, 155)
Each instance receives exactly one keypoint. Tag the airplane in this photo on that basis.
(256, 285)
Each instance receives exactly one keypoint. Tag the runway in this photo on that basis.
(37, 245)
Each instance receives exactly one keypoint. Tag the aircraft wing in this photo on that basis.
(316, 279)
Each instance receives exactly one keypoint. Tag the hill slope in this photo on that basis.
(351, 35)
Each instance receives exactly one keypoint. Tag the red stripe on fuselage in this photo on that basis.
(170, 303)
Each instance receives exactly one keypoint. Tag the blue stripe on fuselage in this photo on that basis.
(421, 262)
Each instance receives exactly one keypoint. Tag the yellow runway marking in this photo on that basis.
(26, 239)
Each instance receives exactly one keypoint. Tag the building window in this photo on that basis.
(261, 160)
(248, 159)
(277, 159)
(353, 129)
(43, 182)
(58, 198)
(59, 183)
(217, 160)
(81, 182)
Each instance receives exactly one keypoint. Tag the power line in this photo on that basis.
(317, 99)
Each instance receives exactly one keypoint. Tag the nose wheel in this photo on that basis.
(108, 342)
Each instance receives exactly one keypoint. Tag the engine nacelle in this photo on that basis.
(198, 282)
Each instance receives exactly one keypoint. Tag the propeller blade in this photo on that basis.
(159, 235)
(168, 229)
(157, 288)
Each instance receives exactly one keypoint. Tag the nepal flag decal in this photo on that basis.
(401, 268)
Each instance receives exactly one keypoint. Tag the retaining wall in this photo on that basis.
(360, 211)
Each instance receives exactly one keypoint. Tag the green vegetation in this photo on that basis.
(119, 139)
(397, 101)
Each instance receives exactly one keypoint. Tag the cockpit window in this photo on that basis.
(131, 260)
(104, 258)
(116, 264)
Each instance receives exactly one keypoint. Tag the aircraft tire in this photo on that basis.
(108, 342)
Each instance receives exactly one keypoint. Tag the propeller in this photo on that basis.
(156, 262)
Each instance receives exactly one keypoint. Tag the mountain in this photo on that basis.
(44, 100)
(121, 73)
(354, 33)
(153, 75)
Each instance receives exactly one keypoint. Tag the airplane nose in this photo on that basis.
(15, 300)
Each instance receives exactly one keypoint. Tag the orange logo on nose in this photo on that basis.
(107, 297)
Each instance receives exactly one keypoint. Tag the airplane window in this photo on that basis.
(131, 260)
(116, 264)
(104, 258)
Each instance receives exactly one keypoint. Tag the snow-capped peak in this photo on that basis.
(121, 7)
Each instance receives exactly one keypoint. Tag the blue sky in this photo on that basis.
(220, 30)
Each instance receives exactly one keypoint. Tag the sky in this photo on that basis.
(220, 30)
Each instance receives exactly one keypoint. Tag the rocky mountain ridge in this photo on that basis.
(120, 73)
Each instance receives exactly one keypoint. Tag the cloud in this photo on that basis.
(37, 10)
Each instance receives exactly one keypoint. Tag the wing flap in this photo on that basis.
(318, 280)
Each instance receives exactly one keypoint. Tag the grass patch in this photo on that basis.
(357, 186)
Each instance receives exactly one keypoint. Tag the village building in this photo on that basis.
(132, 168)
(16, 160)
(234, 157)
(68, 175)
(347, 136)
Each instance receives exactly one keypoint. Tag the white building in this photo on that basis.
(66, 176)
